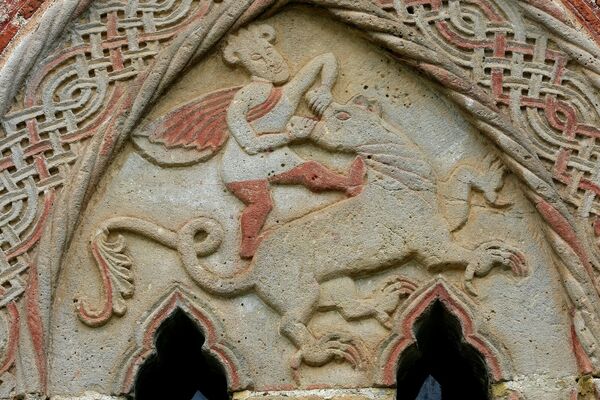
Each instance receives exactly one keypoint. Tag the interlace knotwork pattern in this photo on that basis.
(530, 79)
(66, 101)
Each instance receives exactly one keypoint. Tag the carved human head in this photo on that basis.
(252, 48)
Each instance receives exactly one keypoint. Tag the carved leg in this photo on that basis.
(478, 262)
(257, 198)
(311, 350)
(464, 179)
(378, 305)
(494, 254)
(319, 351)
(317, 178)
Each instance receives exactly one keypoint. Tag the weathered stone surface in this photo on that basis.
(13, 16)
(329, 394)
(88, 396)
(333, 196)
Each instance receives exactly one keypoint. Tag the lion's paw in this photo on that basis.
(333, 346)
(494, 254)
(387, 298)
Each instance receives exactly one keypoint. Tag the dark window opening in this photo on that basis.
(179, 369)
(440, 365)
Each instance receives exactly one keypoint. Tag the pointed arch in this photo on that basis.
(215, 345)
(403, 335)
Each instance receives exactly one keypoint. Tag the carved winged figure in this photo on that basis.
(260, 118)
(392, 217)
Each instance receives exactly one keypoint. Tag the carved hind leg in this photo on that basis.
(315, 351)
(341, 295)
(319, 351)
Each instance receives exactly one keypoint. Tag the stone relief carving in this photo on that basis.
(402, 335)
(260, 117)
(398, 201)
(215, 343)
(560, 62)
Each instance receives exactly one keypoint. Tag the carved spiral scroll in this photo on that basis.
(114, 264)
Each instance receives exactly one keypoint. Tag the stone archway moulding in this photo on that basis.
(536, 100)
(403, 337)
(206, 322)
(18, 13)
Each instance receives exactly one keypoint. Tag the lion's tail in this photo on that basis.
(198, 238)
(189, 249)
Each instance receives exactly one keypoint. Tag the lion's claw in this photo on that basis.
(332, 346)
(490, 255)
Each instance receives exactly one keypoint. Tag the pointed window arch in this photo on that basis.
(182, 313)
(180, 369)
(440, 364)
(437, 331)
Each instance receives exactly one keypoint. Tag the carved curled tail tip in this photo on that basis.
(117, 282)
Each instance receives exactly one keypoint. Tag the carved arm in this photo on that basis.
(253, 142)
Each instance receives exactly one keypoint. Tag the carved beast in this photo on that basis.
(395, 218)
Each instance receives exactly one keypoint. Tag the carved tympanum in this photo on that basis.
(394, 208)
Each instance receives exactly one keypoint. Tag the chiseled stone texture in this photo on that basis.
(325, 193)
(394, 234)
(88, 396)
(315, 394)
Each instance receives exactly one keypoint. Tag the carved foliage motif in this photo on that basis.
(116, 278)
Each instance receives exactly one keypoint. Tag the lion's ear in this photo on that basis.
(230, 54)
(266, 32)
(374, 106)
(365, 103)
(360, 100)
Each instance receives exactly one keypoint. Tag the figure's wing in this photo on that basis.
(200, 125)
(195, 131)
(190, 134)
